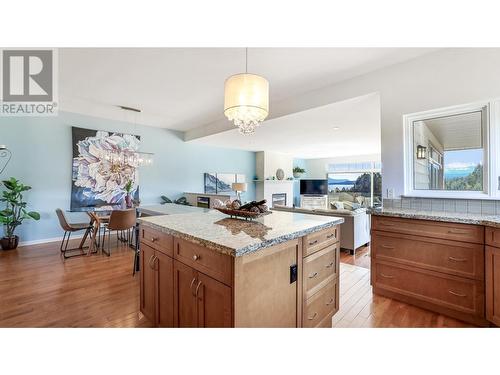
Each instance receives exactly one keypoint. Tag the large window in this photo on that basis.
(447, 152)
(358, 183)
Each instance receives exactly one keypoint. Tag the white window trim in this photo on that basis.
(491, 146)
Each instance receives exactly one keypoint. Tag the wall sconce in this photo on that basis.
(4, 153)
(421, 152)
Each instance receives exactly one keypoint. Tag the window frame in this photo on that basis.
(491, 112)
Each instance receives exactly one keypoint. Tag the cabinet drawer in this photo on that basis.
(452, 257)
(320, 269)
(451, 292)
(436, 229)
(210, 262)
(319, 306)
(158, 240)
(316, 241)
(492, 236)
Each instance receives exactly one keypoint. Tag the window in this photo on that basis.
(359, 183)
(447, 152)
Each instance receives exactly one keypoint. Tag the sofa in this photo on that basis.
(354, 232)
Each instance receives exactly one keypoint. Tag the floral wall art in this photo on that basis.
(100, 170)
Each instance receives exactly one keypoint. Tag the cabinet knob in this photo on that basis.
(154, 239)
(313, 317)
(312, 276)
(196, 257)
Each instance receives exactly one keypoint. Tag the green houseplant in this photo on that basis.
(298, 172)
(15, 211)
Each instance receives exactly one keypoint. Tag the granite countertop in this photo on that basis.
(169, 209)
(236, 237)
(452, 217)
(320, 211)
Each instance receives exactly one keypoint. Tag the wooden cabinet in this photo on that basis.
(493, 285)
(148, 282)
(435, 265)
(213, 303)
(164, 291)
(156, 286)
(185, 310)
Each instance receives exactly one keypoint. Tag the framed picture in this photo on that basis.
(224, 182)
(96, 180)
(210, 183)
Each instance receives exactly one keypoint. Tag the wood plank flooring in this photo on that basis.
(39, 289)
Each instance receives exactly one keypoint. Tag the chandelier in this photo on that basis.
(246, 99)
(120, 159)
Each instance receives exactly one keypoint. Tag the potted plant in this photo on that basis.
(128, 189)
(15, 212)
(298, 172)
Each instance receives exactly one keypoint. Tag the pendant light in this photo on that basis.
(246, 99)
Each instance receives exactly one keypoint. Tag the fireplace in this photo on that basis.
(278, 199)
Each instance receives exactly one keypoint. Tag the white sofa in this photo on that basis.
(354, 232)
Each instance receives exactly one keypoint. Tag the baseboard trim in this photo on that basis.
(48, 240)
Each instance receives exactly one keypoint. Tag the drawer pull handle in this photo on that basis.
(451, 231)
(196, 257)
(313, 243)
(150, 260)
(330, 236)
(191, 286)
(197, 288)
(457, 259)
(330, 265)
(457, 294)
(387, 276)
(313, 317)
(312, 276)
(388, 247)
(154, 239)
(330, 302)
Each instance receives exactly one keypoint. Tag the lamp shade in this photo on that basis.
(239, 186)
(246, 100)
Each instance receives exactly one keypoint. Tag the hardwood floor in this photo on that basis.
(39, 289)
(361, 259)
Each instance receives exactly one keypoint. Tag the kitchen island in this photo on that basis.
(204, 269)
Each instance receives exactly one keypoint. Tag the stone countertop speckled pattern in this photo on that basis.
(169, 209)
(452, 217)
(236, 237)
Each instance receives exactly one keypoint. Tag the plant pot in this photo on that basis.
(9, 243)
(297, 174)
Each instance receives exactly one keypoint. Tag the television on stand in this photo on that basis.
(314, 194)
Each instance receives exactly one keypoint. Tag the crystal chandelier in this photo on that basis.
(246, 99)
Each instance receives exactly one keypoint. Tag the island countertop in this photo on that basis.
(451, 217)
(235, 237)
(169, 209)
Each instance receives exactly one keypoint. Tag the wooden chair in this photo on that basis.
(71, 228)
(119, 220)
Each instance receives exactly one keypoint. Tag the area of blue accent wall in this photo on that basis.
(296, 183)
(42, 158)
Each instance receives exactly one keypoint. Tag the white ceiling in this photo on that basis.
(311, 134)
(458, 132)
(182, 88)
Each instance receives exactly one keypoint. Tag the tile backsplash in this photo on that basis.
(473, 206)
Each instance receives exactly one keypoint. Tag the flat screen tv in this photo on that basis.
(314, 187)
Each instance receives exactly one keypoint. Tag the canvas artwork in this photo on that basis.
(96, 180)
(221, 183)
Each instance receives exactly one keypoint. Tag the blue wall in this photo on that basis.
(42, 157)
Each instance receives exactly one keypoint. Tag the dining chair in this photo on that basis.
(119, 220)
(72, 228)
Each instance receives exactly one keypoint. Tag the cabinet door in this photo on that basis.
(493, 285)
(214, 302)
(164, 267)
(148, 283)
(184, 298)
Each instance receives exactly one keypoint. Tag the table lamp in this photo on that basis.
(239, 187)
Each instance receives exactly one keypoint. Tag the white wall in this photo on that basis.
(443, 78)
